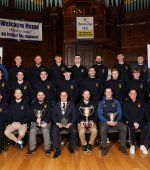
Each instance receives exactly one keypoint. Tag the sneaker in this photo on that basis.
(71, 149)
(48, 152)
(19, 146)
(123, 150)
(84, 148)
(132, 149)
(89, 148)
(29, 152)
(104, 151)
(108, 141)
(143, 149)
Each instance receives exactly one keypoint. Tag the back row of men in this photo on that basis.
(74, 80)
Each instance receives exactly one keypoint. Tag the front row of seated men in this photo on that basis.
(64, 115)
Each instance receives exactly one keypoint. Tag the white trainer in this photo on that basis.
(143, 149)
(132, 149)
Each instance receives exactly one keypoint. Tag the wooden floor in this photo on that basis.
(16, 160)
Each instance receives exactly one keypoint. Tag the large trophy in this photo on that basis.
(39, 114)
(111, 116)
(87, 111)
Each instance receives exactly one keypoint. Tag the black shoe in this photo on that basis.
(123, 150)
(104, 151)
(56, 154)
(48, 152)
(29, 152)
(71, 149)
(84, 148)
(19, 146)
(89, 148)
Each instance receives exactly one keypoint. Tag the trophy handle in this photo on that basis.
(80, 108)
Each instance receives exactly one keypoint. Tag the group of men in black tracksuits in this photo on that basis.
(59, 97)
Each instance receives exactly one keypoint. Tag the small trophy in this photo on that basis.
(64, 121)
(86, 111)
(39, 114)
(112, 116)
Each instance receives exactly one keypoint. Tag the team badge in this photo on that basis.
(48, 86)
(3, 84)
(141, 86)
(113, 105)
(45, 106)
(22, 107)
(1, 109)
(72, 87)
(120, 86)
(139, 105)
(126, 67)
(82, 70)
(97, 85)
(25, 87)
(103, 70)
(63, 69)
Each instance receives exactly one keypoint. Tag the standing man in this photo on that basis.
(18, 116)
(137, 84)
(143, 67)
(14, 69)
(93, 85)
(56, 70)
(24, 86)
(79, 71)
(40, 122)
(34, 71)
(47, 86)
(110, 115)
(70, 86)
(123, 68)
(87, 104)
(134, 115)
(101, 70)
(64, 117)
(117, 86)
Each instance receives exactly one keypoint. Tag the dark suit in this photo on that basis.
(56, 118)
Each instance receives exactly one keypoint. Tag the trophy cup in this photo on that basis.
(112, 116)
(39, 114)
(86, 111)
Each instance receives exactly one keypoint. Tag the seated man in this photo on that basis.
(134, 116)
(64, 116)
(3, 116)
(110, 114)
(40, 119)
(18, 115)
(87, 106)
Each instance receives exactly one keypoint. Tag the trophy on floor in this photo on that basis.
(87, 111)
(111, 116)
(39, 114)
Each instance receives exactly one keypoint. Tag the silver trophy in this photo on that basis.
(39, 114)
(111, 116)
(86, 111)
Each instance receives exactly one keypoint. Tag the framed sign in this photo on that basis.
(85, 28)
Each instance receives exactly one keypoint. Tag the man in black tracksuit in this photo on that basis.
(123, 68)
(47, 86)
(117, 86)
(137, 84)
(3, 118)
(79, 71)
(101, 70)
(134, 116)
(70, 86)
(34, 71)
(4, 89)
(18, 117)
(24, 86)
(12, 72)
(56, 70)
(93, 85)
